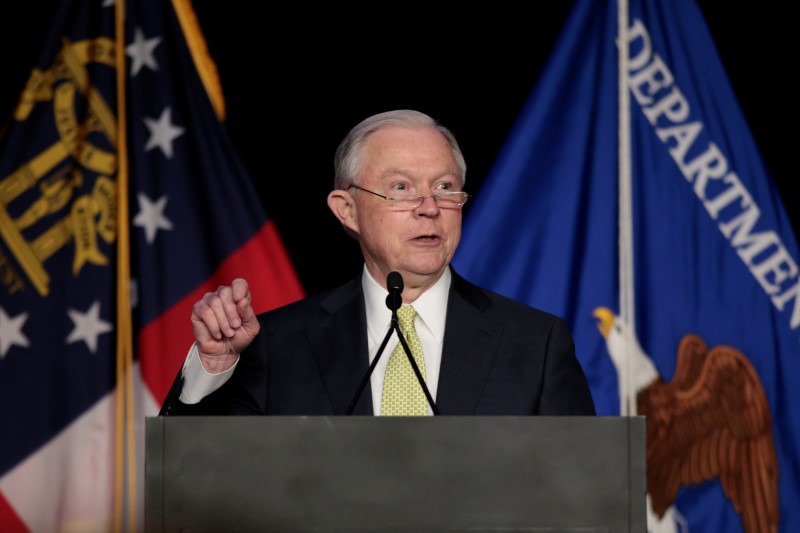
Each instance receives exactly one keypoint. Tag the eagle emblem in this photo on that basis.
(711, 422)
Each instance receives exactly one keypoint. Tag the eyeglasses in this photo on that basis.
(410, 201)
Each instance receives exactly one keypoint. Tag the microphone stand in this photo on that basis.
(393, 302)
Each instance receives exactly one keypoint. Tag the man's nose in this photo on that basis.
(428, 207)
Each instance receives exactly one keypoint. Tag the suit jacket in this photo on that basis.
(499, 357)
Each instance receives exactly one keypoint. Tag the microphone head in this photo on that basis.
(394, 282)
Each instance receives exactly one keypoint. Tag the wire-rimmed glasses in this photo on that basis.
(410, 201)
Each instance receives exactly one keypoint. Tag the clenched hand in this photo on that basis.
(224, 324)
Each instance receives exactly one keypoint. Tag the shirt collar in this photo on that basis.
(431, 306)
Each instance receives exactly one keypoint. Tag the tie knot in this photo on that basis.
(405, 317)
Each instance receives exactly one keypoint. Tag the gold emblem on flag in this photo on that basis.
(61, 170)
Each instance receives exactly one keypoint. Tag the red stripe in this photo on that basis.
(10, 521)
(262, 261)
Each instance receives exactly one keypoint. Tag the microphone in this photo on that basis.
(394, 284)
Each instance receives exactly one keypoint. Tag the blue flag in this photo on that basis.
(120, 205)
(655, 230)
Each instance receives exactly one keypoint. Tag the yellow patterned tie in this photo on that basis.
(402, 393)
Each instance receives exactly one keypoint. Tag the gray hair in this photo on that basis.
(347, 160)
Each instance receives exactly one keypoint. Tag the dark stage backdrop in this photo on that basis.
(296, 78)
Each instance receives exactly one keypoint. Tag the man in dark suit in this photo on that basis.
(399, 191)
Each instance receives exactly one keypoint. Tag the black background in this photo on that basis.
(297, 78)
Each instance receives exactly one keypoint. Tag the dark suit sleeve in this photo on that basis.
(565, 390)
(215, 403)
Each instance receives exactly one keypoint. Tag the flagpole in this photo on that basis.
(125, 440)
(625, 214)
(203, 62)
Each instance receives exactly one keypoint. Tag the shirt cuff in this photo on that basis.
(197, 382)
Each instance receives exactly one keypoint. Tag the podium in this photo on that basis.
(395, 474)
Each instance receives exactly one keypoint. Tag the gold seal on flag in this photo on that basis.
(66, 192)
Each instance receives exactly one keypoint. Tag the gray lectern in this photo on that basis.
(358, 474)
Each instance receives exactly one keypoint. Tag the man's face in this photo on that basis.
(417, 243)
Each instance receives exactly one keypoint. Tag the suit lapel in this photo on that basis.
(470, 345)
(340, 350)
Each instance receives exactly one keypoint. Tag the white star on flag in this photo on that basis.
(141, 52)
(162, 132)
(151, 216)
(88, 326)
(11, 332)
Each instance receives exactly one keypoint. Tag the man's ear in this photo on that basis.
(344, 208)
